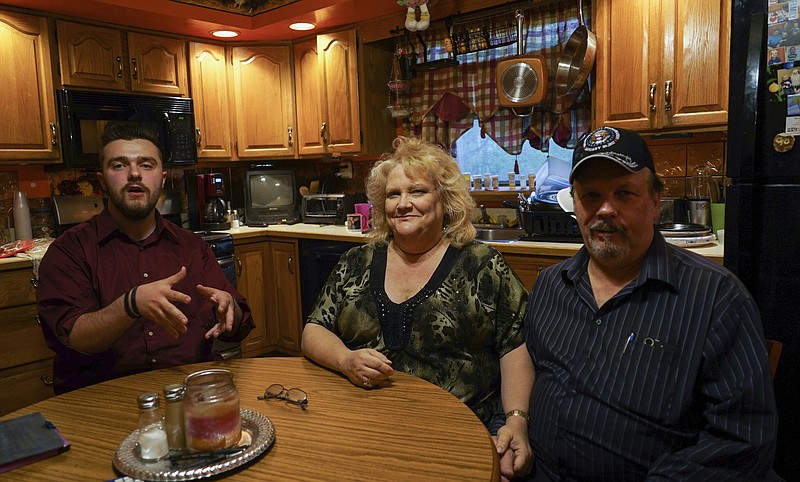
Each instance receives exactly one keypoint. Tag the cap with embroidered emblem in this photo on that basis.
(623, 146)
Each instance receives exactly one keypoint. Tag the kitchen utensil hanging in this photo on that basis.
(521, 80)
(577, 59)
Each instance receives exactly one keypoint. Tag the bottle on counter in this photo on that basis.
(235, 220)
(152, 437)
(173, 416)
(22, 216)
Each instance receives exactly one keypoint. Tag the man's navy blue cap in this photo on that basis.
(625, 147)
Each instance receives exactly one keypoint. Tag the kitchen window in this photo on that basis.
(478, 155)
(457, 106)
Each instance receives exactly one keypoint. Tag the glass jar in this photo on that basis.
(211, 410)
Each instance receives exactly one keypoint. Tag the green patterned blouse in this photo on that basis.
(452, 333)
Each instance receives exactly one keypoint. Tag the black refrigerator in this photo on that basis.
(762, 217)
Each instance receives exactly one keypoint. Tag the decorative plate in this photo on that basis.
(258, 434)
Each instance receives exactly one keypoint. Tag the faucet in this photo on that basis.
(484, 215)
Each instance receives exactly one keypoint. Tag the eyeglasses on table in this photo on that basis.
(295, 396)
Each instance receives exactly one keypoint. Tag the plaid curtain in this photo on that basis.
(445, 100)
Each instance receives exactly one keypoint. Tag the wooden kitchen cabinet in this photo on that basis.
(263, 97)
(106, 58)
(528, 267)
(210, 90)
(26, 364)
(662, 64)
(28, 130)
(267, 275)
(326, 76)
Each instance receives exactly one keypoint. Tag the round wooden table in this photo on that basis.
(410, 430)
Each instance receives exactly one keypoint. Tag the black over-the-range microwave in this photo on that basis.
(83, 116)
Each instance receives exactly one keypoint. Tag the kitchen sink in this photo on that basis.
(497, 234)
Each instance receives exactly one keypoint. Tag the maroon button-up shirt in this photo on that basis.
(93, 264)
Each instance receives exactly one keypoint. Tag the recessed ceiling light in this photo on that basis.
(302, 26)
(225, 33)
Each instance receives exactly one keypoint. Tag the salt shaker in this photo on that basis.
(152, 437)
(173, 416)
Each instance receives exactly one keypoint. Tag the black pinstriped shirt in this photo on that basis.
(668, 380)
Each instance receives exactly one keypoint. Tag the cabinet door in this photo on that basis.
(25, 385)
(308, 98)
(697, 62)
(251, 275)
(628, 63)
(210, 91)
(90, 56)
(529, 267)
(157, 64)
(338, 56)
(287, 323)
(263, 98)
(28, 126)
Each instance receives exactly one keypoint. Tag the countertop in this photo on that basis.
(340, 233)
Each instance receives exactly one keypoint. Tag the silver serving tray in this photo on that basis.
(258, 434)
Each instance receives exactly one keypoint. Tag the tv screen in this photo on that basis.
(271, 196)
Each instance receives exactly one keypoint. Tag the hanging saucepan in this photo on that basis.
(576, 59)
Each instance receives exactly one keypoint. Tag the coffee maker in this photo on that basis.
(207, 207)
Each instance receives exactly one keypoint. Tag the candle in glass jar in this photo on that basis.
(211, 410)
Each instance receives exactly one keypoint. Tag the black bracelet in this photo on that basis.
(126, 301)
(134, 308)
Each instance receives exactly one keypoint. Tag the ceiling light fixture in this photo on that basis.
(302, 26)
(225, 33)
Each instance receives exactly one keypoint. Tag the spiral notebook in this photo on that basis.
(28, 439)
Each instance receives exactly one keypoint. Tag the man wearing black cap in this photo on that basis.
(650, 360)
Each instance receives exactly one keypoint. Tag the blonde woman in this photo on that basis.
(424, 297)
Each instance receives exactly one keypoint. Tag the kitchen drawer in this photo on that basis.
(23, 341)
(22, 386)
(17, 288)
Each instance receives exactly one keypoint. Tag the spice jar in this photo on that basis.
(173, 416)
(152, 438)
(211, 410)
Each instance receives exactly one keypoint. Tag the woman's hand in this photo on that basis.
(366, 367)
(514, 448)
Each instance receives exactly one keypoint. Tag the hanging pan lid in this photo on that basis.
(577, 59)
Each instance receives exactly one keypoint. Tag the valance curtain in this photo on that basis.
(445, 101)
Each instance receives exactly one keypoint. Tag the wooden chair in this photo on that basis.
(774, 349)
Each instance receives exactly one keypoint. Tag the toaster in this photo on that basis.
(329, 208)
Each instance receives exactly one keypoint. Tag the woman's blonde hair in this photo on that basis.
(425, 160)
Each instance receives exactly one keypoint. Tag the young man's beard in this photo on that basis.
(137, 211)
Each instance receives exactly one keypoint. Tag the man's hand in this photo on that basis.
(514, 449)
(156, 301)
(225, 310)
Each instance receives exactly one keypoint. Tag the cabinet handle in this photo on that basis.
(46, 380)
(199, 137)
(653, 97)
(668, 95)
(238, 266)
(539, 270)
(54, 136)
(291, 135)
(119, 67)
(291, 265)
(322, 132)
(135, 69)
(38, 320)
(34, 283)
